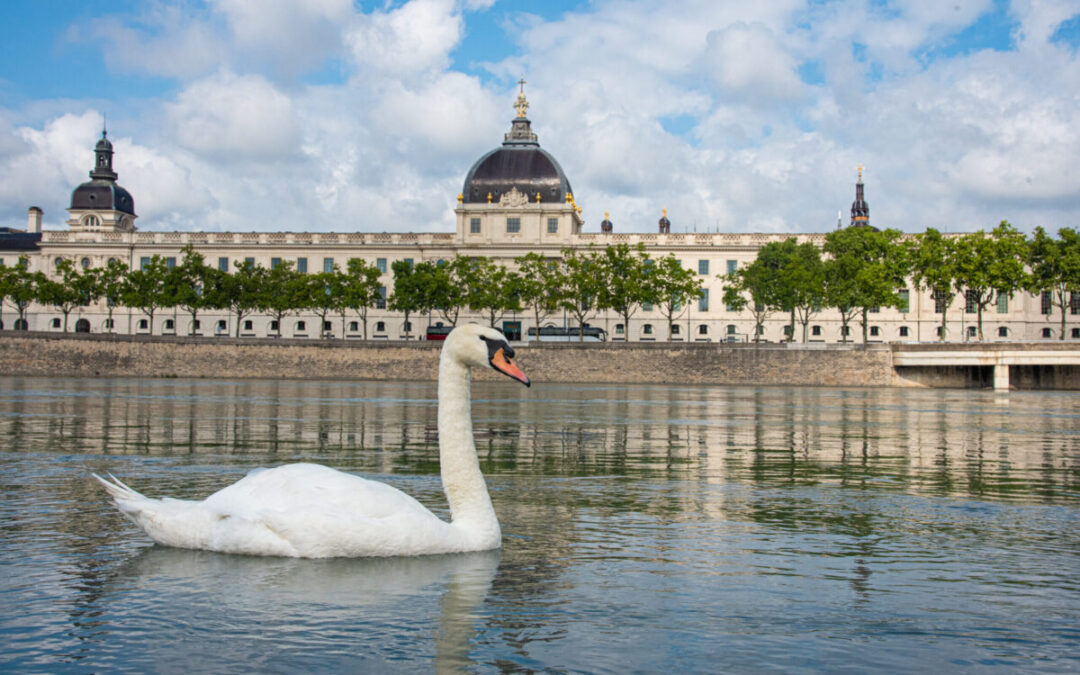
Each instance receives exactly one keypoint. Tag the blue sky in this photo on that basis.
(336, 115)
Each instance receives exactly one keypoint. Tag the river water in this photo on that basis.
(646, 529)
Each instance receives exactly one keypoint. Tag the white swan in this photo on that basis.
(311, 511)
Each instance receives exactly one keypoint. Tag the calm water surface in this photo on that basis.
(646, 528)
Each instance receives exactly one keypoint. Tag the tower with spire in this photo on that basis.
(100, 205)
(860, 210)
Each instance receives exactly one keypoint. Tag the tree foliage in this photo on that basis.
(1055, 269)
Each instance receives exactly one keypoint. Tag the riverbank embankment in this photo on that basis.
(815, 364)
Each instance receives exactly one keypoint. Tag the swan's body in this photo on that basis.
(312, 511)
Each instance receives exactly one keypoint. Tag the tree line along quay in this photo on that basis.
(856, 272)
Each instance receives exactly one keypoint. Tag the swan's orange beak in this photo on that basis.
(505, 365)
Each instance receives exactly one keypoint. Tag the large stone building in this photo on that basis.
(515, 199)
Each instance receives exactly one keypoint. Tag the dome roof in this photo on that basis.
(101, 191)
(519, 163)
(102, 194)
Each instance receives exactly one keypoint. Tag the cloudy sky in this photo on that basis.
(335, 115)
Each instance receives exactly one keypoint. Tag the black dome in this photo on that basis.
(529, 169)
(520, 163)
(102, 194)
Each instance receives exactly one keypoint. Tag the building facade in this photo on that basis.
(514, 200)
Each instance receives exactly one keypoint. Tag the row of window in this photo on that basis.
(513, 225)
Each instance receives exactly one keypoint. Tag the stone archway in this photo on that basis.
(20, 324)
(82, 326)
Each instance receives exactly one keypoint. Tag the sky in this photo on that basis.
(335, 115)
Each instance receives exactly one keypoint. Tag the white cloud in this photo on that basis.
(232, 118)
(413, 39)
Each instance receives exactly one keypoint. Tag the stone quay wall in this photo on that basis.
(815, 364)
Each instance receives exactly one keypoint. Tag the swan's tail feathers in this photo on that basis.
(121, 494)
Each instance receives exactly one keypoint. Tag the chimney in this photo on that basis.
(34, 219)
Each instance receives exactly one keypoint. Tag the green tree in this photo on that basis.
(988, 265)
(360, 290)
(322, 294)
(671, 287)
(490, 289)
(443, 287)
(801, 287)
(756, 286)
(74, 289)
(405, 297)
(112, 279)
(932, 258)
(146, 289)
(188, 283)
(21, 289)
(624, 286)
(584, 285)
(281, 293)
(865, 270)
(540, 283)
(1055, 268)
(239, 292)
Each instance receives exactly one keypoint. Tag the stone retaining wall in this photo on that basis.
(76, 355)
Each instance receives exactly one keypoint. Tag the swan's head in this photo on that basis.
(483, 347)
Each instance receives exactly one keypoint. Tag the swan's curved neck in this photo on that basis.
(462, 480)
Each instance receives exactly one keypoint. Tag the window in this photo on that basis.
(85, 262)
(275, 262)
(702, 329)
(972, 331)
(1047, 302)
(675, 329)
(971, 301)
(274, 325)
(646, 306)
(250, 260)
(249, 325)
(92, 221)
(144, 262)
(170, 324)
(938, 332)
(354, 326)
(407, 327)
(845, 331)
(732, 265)
(55, 323)
(1074, 303)
(197, 325)
(474, 226)
(939, 303)
(327, 328)
(109, 324)
(222, 325)
(703, 301)
(1076, 333)
(380, 299)
(380, 326)
(875, 331)
(872, 310)
(905, 300)
(815, 331)
(1003, 331)
(223, 264)
(646, 329)
(1046, 333)
(619, 329)
(903, 331)
(170, 262)
(703, 267)
(731, 329)
(761, 330)
(408, 261)
(787, 330)
(327, 264)
(553, 225)
(301, 325)
(143, 324)
(1002, 303)
(301, 265)
(513, 225)
(380, 263)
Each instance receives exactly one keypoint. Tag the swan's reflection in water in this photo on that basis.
(373, 610)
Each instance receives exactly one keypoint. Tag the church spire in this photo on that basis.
(860, 210)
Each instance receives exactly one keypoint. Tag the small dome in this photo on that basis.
(519, 164)
(103, 195)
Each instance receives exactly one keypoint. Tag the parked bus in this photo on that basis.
(560, 334)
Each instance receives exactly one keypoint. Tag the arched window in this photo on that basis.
(91, 221)
(85, 262)
(56, 261)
